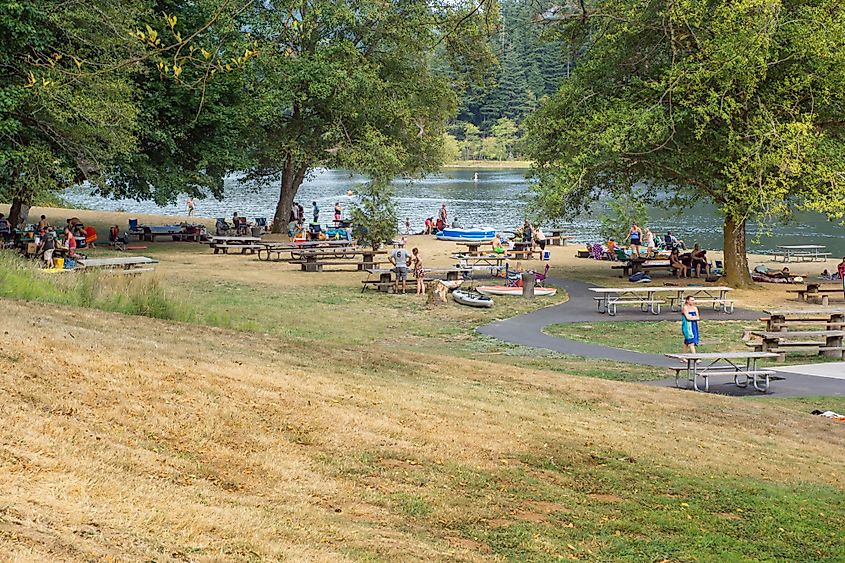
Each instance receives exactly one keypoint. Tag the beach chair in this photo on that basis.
(622, 255)
(135, 229)
(541, 278)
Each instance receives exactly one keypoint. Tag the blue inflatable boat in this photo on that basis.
(470, 235)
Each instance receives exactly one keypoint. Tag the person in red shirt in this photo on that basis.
(70, 243)
(841, 269)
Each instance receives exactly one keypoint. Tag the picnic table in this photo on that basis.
(495, 262)
(782, 341)
(225, 242)
(129, 264)
(815, 291)
(651, 298)
(559, 237)
(313, 260)
(737, 364)
(636, 265)
(805, 252)
(175, 232)
(777, 319)
(386, 279)
(266, 250)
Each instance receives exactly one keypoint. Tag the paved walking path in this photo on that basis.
(527, 330)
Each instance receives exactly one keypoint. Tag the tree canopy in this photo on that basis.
(740, 102)
(353, 85)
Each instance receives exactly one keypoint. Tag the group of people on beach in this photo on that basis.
(433, 226)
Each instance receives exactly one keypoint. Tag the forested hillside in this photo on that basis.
(489, 121)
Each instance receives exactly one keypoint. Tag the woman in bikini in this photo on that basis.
(419, 272)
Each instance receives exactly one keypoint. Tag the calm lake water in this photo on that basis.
(496, 200)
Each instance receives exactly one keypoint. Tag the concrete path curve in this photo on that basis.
(527, 330)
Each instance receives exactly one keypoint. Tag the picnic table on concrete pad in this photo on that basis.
(777, 319)
(650, 298)
(783, 341)
(812, 252)
(716, 295)
(737, 364)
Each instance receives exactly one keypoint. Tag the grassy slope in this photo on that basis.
(152, 439)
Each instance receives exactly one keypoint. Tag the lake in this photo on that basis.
(496, 200)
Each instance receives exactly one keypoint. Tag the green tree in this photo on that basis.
(66, 103)
(471, 145)
(192, 102)
(738, 102)
(621, 214)
(351, 84)
(507, 136)
(374, 218)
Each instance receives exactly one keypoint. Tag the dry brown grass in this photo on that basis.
(139, 439)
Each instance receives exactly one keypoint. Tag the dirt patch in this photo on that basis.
(469, 544)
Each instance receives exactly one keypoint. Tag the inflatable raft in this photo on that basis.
(508, 290)
(467, 235)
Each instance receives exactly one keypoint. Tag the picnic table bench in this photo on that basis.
(815, 292)
(651, 298)
(782, 342)
(224, 243)
(266, 250)
(635, 265)
(313, 260)
(777, 319)
(812, 252)
(386, 279)
(128, 264)
(707, 364)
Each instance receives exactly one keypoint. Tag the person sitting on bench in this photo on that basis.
(673, 242)
(677, 265)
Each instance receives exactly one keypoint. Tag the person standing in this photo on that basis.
(407, 225)
(43, 224)
(316, 211)
(419, 271)
(689, 324)
(190, 204)
(70, 243)
(841, 269)
(540, 237)
(528, 235)
(648, 240)
(635, 235)
(443, 215)
(338, 214)
(400, 260)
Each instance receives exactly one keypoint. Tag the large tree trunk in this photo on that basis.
(736, 260)
(292, 177)
(19, 211)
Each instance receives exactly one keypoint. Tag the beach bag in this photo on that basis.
(639, 277)
(69, 264)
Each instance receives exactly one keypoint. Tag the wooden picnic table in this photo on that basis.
(128, 263)
(812, 252)
(778, 318)
(782, 341)
(386, 279)
(609, 298)
(636, 265)
(225, 242)
(737, 364)
(175, 232)
(559, 237)
(313, 260)
(267, 249)
(815, 291)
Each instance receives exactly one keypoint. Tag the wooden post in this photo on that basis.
(528, 280)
